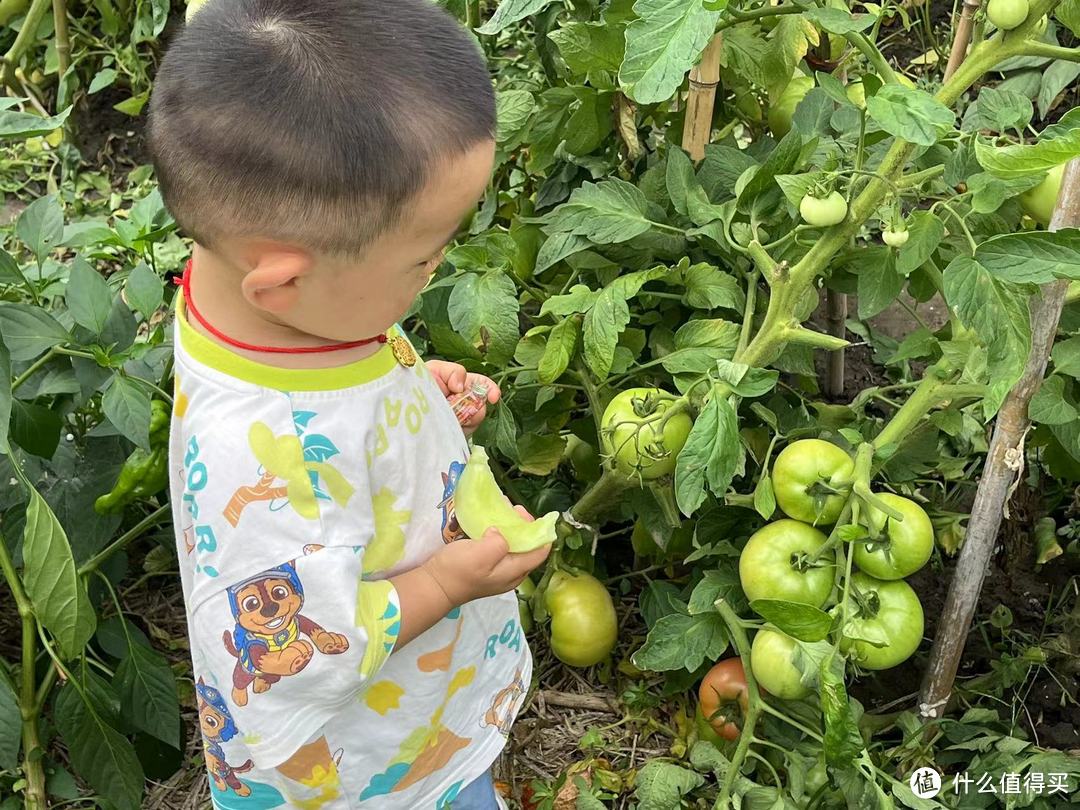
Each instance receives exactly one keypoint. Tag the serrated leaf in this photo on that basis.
(540, 455)
(509, 12)
(1057, 77)
(1000, 110)
(1066, 356)
(99, 753)
(989, 192)
(843, 743)
(662, 44)
(839, 21)
(781, 160)
(765, 497)
(587, 47)
(1034, 257)
(558, 247)
(483, 309)
(678, 641)
(662, 785)
(879, 283)
(925, 234)
(717, 583)
(911, 115)
(147, 689)
(29, 331)
(559, 350)
(51, 581)
(88, 296)
(709, 287)
(680, 178)
(699, 344)
(610, 315)
(127, 405)
(1049, 406)
(513, 109)
(1059, 143)
(804, 622)
(711, 455)
(609, 212)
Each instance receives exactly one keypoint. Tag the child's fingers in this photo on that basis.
(531, 560)
(456, 377)
(521, 510)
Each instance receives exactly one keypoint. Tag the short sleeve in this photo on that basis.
(292, 645)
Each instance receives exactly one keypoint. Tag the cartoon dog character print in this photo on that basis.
(217, 727)
(267, 640)
(501, 712)
(451, 529)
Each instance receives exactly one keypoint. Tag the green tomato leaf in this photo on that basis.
(1068, 14)
(745, 381)
(795, 186)
(51, 581)
(610, 315)
(839, 21)
(680, 179)
(1049, 405)
(88, 296)
(513, 110)
(662, 785)
(558, 247)
(998, 313)
(662, 44)
(678, 641)
(999, 109)
(5, 394)
(579, 299)
(712, 455)
(99, 753)
(925, 234)
(719, 583)
(559, 350)
(10, 727)
(1058, 144)
(721, 169)
(804, 622)
(781, 160)
(539, 455)
(587, 47)
(843, 743)
(990, 192)
(785, 48)
(912, 115)
(1059, 75)
(509, 12)
(1034, 257)
(879, 283)
(127, 405)
(609, 212)
(699, 344)
(41, 226)
(765, 497)
(708, 287)
(147, 689)
(1066, 356)
(483, 309)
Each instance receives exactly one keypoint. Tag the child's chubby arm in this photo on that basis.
(453, 378)
(456, 574)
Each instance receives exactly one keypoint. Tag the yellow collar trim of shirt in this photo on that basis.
(217, 357)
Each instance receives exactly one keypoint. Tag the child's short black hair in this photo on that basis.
(312, 121)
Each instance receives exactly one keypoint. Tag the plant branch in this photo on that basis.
(742, 644)
(123, 540)
(1033, 48)
(24, 39)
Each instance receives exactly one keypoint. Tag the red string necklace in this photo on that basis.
(184, 283)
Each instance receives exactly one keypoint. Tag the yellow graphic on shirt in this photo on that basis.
(314, 767)
(377, 612)
(286, 458)
(180, 399)
(424, 752)
(388, 546)
(383, 697)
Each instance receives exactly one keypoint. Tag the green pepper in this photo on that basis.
(146, 472)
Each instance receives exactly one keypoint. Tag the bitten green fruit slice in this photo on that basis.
(480, 505)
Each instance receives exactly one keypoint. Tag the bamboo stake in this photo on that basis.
(704, 77)
(962, 38)
(1004, 465)
(63, 40)
(836, 309)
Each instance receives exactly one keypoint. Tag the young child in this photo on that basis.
(348, 652)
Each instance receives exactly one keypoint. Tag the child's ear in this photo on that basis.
(272, 282)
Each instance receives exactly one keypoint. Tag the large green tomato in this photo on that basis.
(480, 505)
(1039, 202)
(772, 564)
(907, 543)
(772, 662)
(583, 458)
(525, 592)
(895, 614)
(636, 437)
(583, 621)
(823, 212)
(1007, 14)
(802, 473)
(781, 113)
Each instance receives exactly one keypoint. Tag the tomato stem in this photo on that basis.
(600, 497)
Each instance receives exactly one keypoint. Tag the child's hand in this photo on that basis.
(453, 379)
(472, 569)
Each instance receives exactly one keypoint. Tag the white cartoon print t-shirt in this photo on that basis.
(296, 495)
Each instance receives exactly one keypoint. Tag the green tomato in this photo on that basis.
(772, 661)
(584, 459)
(895, 239)
(638, 436)
(480, 505)
(525, 593)
(801, 476)
(584, 626)
(1007, 14)
(823, 212)
(772, 564)
(907, 543)
(894, 615)
(782, 112)
(1039, 202)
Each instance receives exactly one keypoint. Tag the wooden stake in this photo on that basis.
(1004, 465)
(962, 38)
(63, 41)
(836, 309)
(704, 77)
